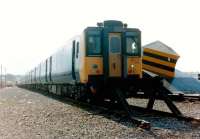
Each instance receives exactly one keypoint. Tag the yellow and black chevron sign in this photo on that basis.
(158, 61)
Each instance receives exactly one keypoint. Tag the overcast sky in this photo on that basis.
(31, 30)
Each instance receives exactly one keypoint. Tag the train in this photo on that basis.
(109, 54)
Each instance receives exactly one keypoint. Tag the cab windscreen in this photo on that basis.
(93, 43)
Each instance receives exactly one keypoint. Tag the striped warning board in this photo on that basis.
(160, 59)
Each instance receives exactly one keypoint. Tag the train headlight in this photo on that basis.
(132, 66)
(95, 66)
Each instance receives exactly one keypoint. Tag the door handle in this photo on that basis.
(114, 66)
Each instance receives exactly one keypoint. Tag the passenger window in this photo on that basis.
(94, 45)
(115, 45)
(132, 45)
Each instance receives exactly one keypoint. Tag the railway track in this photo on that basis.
(129, 112)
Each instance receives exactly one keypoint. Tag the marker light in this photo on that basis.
(132, 66)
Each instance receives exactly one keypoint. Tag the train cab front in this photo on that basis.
(114, 51)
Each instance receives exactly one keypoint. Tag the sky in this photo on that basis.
(31, 30)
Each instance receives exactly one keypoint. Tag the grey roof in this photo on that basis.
(159, 46)
(185, 83)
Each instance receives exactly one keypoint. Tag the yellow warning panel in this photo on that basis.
(159, 59)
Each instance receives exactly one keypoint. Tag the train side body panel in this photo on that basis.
(43, 72)
(37, 74)
(61, 67)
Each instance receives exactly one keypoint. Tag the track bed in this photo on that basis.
(27, 114)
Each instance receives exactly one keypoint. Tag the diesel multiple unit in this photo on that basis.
(107, 54)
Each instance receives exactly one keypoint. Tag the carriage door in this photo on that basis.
(114, 55)
(73, 60)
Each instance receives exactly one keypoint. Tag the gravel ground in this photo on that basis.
(26, 114)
